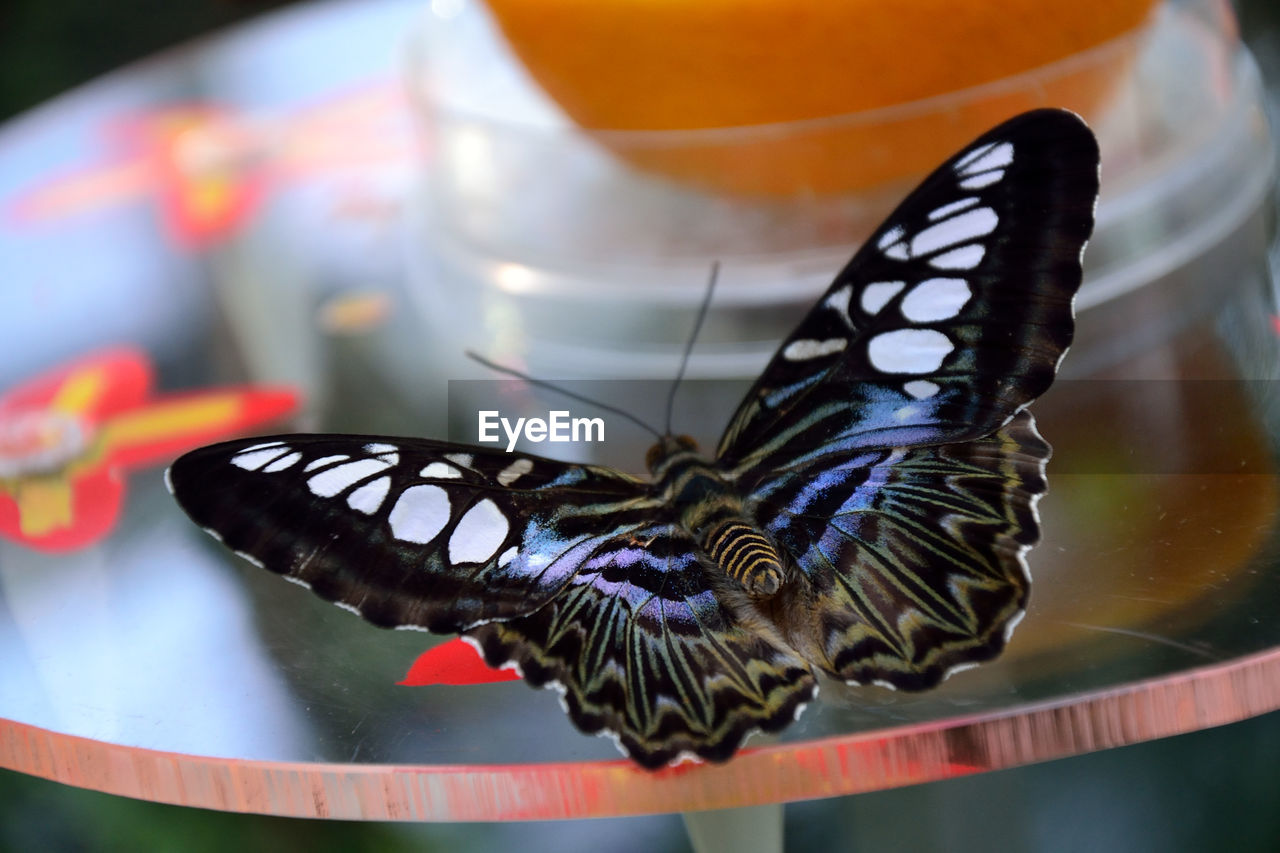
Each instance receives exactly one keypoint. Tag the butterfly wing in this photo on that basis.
(911, 559)
(644, 646)
(952, 317)
(408, 532)
(575, 573)
(883, 447)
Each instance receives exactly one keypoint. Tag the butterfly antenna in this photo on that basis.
(688, 347)
(542, 383)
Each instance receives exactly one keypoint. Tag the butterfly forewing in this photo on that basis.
(952, 317)
(408, 532)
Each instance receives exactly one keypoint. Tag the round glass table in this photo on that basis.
(223, 240)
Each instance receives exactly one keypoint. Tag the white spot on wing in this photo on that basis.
(420, 513)
(921, 389)
(958, 229)
(889, 237)
(963, 258)
(328, 483)
(388, 453)
(440, 471)
(997, 158)
(463, 459)
(514, 471)
(935, 299)
(908, 351)
(299, 581)
(973, 155)
(955, 207)
(898, 251)
(263, 446)
(325, 460)
(805, 349)
(281, 464)
(877, 294)
(253, 459)
(370, 496)
(507, 556)
(984, 179)
(839, 301)
(479, 534)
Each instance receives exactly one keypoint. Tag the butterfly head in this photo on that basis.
(668, 448)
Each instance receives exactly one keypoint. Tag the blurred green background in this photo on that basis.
(1218, 789)
(49, 46)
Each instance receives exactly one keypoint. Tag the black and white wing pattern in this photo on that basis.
(577, 574)
(885, 449)
(952, 316)
(408, 532)
(881, 470)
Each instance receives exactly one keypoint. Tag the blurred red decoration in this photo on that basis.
(68, 437)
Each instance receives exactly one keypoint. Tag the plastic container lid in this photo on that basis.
(541, 246)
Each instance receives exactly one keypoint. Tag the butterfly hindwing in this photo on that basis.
(645, 644)
(953, 315)
(910, 560)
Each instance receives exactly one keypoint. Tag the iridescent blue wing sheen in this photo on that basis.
(883, 447)
(576, 573)
(951, 318)
(646, 646)
(909, 562)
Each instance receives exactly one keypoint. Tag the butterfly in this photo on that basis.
(865, 516)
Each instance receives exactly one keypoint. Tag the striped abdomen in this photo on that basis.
(746, 556)
(713, 513)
